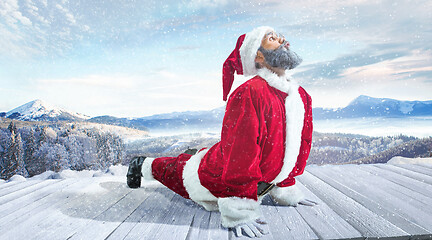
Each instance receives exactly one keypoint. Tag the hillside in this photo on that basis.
(327, 148)
(412, 149)
(29, 148)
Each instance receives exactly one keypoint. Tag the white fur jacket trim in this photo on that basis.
(288, 196)
(197, 192)
(235, 210)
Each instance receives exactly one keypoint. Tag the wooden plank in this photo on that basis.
(30, 198)
(370, 191)
(5, 185)
(412, 197)
(65, 212)
(109, 220)
(364, 220)
(199, 228)
(427, 165)
(285, 222)
(323, 220)
(139, 213)
(416, 168)
(413, 184)
(176, 224)
(17, 217)
(67, 218)
(153, 212)
(19, 186)
(39, 209)
(405, 172)
(25, 191)
(216, 231)
(207, 225)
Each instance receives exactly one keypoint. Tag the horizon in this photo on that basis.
(141, 58)
(82, 113)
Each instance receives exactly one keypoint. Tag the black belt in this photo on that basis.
(264, 188)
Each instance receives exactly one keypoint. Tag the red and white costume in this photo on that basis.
(266, 136)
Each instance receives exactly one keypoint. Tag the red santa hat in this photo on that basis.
(242, 58)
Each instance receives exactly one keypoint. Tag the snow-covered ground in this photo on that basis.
(117, 171)
(113, 172)
(404, 160)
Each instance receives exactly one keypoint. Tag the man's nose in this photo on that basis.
(281, 40)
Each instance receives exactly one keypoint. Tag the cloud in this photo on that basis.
(345, 44)
(105, 81)
(332, 69)
(400, 75)
(35, 29)
(391, 61)
(404, 68)
(9, 10)
(67, 14)
(207, 3)
(131, 95)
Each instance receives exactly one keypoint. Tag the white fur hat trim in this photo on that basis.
(250, 47)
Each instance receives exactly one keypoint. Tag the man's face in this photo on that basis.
(276, 52)
(272, 41)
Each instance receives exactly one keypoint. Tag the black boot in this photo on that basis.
(191, 151)
(134, 172)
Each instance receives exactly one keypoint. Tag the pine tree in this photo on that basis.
(15, 157)
(31, 147)
(21, 169)
(12, 128)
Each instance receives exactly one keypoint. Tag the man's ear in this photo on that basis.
(259, 57)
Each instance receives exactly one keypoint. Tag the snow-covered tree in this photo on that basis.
(14, 164)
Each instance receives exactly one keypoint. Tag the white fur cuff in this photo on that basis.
(235, 210)
(289, 196)
(192, 183)
(146, 169)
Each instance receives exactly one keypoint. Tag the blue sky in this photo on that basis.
(138, 58)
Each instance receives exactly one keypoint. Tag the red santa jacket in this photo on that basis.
(266, 136)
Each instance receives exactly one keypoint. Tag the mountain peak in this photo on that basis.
(41, 110)
(367, 100)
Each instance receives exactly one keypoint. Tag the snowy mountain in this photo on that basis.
(365, 106)
(182, 119)
(176, 121)
(211, 120)
(362, 106)
(39, 110)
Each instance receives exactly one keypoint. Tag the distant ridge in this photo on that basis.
(362, 106)
(365, 106)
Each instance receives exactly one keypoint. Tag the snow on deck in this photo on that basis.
(355, 202)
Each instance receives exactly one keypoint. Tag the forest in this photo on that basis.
(327, 148)
(34, 149)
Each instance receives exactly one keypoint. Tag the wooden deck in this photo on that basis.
(355, 202)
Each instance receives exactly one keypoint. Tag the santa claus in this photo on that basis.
(265, 141)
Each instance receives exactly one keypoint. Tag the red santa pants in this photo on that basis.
(169, 171)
